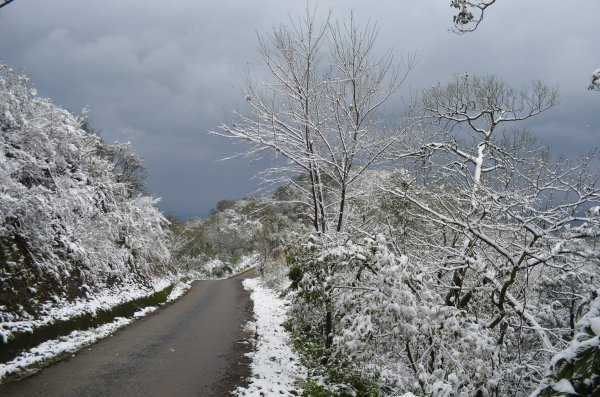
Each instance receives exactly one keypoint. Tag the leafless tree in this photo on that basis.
(319, 110)
(501, 212)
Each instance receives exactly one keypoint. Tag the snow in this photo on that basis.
(145, 311)
(78, 339)
(61, 310)
(67, 344)
(595, 325)
(275, 367)
(178, 290)
(564, 386)
(595, 85)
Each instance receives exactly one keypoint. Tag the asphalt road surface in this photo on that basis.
(193, 347)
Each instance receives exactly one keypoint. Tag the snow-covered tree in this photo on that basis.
(318, 111)
(66, 217)
(486, 264)
(502, 211)
(128, 166)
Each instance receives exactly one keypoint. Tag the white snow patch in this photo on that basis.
(145, 311)
(564, 386)
(246, 263)
(178, 290)
(595, 325)
(67, 344)
(275, 367)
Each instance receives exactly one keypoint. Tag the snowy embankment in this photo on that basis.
(61, 310)
(275, 367)
(78, 339)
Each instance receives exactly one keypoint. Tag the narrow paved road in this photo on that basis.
(190, 348)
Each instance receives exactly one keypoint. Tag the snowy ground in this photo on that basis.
(275, 367)
(78, 339)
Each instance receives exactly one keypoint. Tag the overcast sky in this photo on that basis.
(159, 74)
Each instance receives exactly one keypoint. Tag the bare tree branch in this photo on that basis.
(470, 14)
(5, 2)
(320, 109)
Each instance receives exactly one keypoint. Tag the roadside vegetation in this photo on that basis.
(237, 235)
(79, 238)
(450, 254)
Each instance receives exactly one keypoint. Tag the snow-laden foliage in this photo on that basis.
(575, 371)
(489, 257)
(393, 329)
(236, 229)
(68, 219)
(595, 84)
(389, 326)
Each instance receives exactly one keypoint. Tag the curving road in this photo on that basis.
(194, 347)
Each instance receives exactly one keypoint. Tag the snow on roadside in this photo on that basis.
(61, 309)
(67, 344)
(275, 367)
(78, 339)
(246, 263)
(145, 311)
(178, 290)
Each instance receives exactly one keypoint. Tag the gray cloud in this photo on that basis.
(160, 74)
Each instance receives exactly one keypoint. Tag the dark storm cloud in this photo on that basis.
(160, 74)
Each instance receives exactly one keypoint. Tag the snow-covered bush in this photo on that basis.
(68, 221)
(575, 371)
(388, 327)
(237, 229)
(382, 323)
